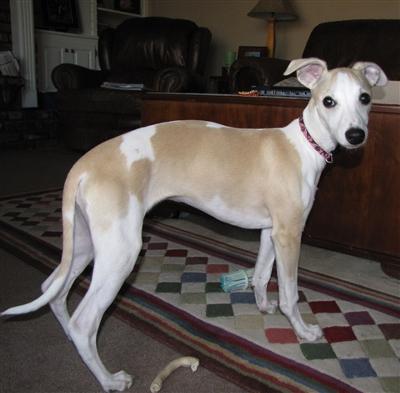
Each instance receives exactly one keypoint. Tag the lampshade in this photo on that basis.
(273, 9)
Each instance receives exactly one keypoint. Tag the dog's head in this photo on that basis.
(341, 96)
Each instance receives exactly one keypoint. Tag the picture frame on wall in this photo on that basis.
(252, 51)
(130, 6)
(60, 14)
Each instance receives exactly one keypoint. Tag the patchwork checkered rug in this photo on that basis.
(174, 295)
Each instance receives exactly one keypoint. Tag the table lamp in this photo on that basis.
(272, 11)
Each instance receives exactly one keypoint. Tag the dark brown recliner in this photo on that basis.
(163, 54)
(338, 43)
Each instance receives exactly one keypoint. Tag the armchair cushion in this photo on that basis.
(151, 43)
(140, 47)
(139, 50)
(177, 79)
(343, 43)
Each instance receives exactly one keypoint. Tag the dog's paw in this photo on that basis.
(271, 306)
(118, 381)
(310, 332)
(263, 304)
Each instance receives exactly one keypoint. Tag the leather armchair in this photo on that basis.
(164, 54)
(338, 43)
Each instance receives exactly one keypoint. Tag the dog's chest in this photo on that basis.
(311, 165)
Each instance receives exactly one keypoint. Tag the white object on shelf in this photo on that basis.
(8, 64)
(123, 86)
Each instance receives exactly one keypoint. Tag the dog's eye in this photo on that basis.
(329, 102)
(365, 98)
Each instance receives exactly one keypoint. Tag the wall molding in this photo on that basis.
(23, 47)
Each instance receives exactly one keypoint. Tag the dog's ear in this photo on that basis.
(309, 71)
(372, 72)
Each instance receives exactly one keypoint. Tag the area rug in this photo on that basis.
(174, 295)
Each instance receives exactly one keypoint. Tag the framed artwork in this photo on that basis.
(131, 6)
(252, 51)
(60, 14)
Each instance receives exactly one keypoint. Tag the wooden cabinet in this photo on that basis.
(357, 206)
(54, 48)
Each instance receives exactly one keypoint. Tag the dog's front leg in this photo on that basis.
(262, 273)
(287, 247)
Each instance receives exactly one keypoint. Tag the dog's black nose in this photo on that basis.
(355, 136)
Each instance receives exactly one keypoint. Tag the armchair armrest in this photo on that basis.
(71, 76)
(106, 38)
(177, 79)
(256, 71)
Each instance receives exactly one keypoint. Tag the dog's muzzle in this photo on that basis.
(355, 136)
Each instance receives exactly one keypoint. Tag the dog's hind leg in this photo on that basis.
(262, 273)
(116, 251)
(287, 241)
(82, 255)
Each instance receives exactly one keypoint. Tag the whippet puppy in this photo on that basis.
(253, 178)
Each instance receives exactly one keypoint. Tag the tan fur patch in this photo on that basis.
(244, 167)
(108, 184)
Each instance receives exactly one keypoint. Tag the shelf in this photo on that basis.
(65, 34)
(116, 12)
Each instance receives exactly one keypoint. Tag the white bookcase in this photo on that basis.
(55, 47)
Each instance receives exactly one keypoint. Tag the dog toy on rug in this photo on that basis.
(235, 281)
(186, 361)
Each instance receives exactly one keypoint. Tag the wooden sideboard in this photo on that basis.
(357, 207)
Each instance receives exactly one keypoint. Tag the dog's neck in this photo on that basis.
(317, 128)
(323, 153)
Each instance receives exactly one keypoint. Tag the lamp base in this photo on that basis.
(271, 37)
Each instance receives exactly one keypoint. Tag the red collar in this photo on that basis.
(327, 156)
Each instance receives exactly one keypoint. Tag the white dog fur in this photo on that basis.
(253, 178)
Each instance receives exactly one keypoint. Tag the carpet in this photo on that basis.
(174, 295)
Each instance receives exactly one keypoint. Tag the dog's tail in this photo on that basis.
(68, 215)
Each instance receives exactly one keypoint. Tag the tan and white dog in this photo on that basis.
(253, 178)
